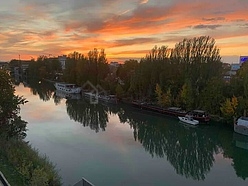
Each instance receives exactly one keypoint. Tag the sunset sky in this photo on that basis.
(126, 29)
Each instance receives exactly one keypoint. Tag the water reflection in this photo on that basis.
(190, 150)
(93, 115)
(240, 155)
(43, 89)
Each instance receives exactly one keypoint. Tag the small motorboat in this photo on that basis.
(189, 120)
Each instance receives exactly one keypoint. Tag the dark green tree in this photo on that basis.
(11, 124)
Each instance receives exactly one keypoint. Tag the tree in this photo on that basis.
(211, 96)
(119, 91)
(11, 124)
(163, 99)
(199, 61)
(229, 108)
(186, 98)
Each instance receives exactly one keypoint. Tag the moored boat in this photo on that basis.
(200, 115)
(189, 120)
(171, 111)
(241, 126)
(68, 88)
(175, 111)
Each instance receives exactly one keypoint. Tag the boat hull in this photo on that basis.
(241, 129)
(67, 88)
(188, 120)
(172, 111)
(199, 115)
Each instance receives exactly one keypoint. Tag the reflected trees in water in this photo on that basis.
(44, 89)
(190, 150)
(93, 115)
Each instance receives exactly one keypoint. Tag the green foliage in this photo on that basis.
(11, 124)
(44, 67)
(229, 108)
(212, 96)
(163, 99)
(186, 70)
(186, 97)
(35, 169)
(80, 69)
(125, 73)
(119, 91)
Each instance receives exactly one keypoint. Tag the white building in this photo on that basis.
(62, 60)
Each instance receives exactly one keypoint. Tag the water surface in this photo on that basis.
(120, 145)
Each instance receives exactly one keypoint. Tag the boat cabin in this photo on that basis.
(242, 121)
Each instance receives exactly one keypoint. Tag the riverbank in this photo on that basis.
(23, 165)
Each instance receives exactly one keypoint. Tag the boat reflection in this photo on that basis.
(65, 95)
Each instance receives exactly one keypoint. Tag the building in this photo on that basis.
(114, 64)
(231, 70)
(234, 68)
(243, 59)
(4, 65)
(62, 60)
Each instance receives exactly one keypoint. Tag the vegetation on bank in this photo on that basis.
(190, 75)
(33, 168)
(28, 167)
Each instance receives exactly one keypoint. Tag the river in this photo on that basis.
(120, 145)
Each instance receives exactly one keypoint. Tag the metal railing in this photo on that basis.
(3, 180)
(83, 182)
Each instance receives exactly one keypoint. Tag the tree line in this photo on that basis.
(190, 75)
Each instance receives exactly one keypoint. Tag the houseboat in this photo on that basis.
(68, 88)
(241, 126)
(172, 111)
(200, 115)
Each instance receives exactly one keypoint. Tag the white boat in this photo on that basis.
(68, 88)
(189, 120)
(241, 126)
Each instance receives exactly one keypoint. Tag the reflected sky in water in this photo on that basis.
(120, 145)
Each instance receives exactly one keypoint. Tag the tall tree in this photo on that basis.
(11, 124)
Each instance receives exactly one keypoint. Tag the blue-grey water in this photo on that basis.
(120, 145)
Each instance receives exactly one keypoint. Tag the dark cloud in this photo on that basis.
(135, 41)
(214, 19)
(212, 27)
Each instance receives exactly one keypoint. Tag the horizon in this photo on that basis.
(125, 29)
(225, 59)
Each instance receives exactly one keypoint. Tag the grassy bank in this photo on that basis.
(22, 165)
